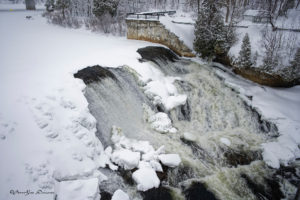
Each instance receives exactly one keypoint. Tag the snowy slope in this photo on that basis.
(185, 32)
(45, 125)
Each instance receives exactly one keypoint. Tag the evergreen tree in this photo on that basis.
(211, 36)
(244, 59)
(102, 7)
(50, 5)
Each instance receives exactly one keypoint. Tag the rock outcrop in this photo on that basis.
(154, 31)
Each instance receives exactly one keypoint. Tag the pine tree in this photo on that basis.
(101, 7)
(211, 36)
(244, 59)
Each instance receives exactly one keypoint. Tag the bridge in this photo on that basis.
(147, 26)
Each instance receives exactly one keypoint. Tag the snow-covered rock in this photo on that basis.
(189, 137)
(225, 141)
(163, 91)
(78, 190)
(156, 166)
(126, 158)
(162, 123)
(170, 160)
(120, 141)
(146, 179)
(120, 195)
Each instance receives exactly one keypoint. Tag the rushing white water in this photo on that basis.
(219, 138)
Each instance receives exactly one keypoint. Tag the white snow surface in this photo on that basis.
(170, 160)
(161, 123)
(78, 190)
(120, 195)
(278, 105)
(46, 129)
(126, 158)
(145, 178)
(185, 32)
(162, 91)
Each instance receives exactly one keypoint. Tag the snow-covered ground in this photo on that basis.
(182, 25)
(254, 30)
(46, 131)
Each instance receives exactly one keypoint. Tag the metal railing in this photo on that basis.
(148, 15)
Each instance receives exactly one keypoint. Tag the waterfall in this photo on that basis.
(218, 136)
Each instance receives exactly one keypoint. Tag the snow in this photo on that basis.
(225, 141)
(120, 195)
(146, 179)
(161, 123)
(147, 162)
(162, 91)
(47, 132)
(292, 21)
(189, 136)
(254, 32)
(278, 105)
(126, 158)
(185, 32)
(170, 160)
(78, 190)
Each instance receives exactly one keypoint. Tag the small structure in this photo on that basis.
(256, 16)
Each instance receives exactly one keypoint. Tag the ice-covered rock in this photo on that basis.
(126, 158)
(189, 137)
(78, 190)
(156, 166)
(225, 141)
(120, 195)
(163, 91)
(146, 179)
(170, 160)
(162, 123)
(153, 155)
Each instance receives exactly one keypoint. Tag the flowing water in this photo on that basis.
(211, 168)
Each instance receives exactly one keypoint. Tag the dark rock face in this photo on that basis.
(93, 74)
(105, 196)
(270, 190)
(157, 53)
(241, 158)
(197, 191)
(263, 78)
(160, 193)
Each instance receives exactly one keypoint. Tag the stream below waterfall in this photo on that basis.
(218, 136)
